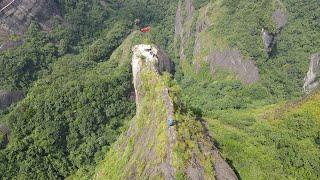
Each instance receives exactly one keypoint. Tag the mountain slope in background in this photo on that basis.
(240, 62)
(243, 90)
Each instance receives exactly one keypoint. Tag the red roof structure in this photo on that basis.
(146, 29)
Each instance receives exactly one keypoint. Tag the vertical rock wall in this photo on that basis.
(311, 81)
(183, 25)
(16, 15)
(7, 98)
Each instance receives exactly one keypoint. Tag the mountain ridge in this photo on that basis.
(238, 101)
(146, 64)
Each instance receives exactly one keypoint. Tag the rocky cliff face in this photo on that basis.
(183, 25)
(7, 98)
(233, 61)
(203, 23)
(311, 81)
(280, 18)
(16, 15)
(151, 148)
(269, 40)
(149, 60)
(146, 149)
(203, 50)
(155, 59)
(5, 132)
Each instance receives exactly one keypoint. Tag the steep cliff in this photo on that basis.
(5, 132)
(183, 26)
(151, 148)
(233, 61)
(16, 15)
(7, 98)
(311, 81)
(280, 18)
(195, 43)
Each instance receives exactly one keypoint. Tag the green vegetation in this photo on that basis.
(277, 141)
(257, 133)
(238, 25)
(149, 130)
(77, 80)
(77, 101)
(68, 119)
(190, 135)
(150, 120)
(20, 67)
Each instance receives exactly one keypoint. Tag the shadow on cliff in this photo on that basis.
(216, 145)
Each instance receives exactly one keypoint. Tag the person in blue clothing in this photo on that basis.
(170, 122)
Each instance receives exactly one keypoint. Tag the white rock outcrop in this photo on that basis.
(152, 57)
(311, 81)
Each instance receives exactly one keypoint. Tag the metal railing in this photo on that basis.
(7, 5)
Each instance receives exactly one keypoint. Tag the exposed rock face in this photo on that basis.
(232, 60)
(155, 58)
(222, 169)
(154, 107)
(202, 25)
(146, 56)
(11, 44)
(189, 9)
(311, 81)
(178, 22)
(269, 40)
(229, 60)
(5, 131)
(147, 149)
(16, 15)
(280, 18)
(183, 23)
(8, 98)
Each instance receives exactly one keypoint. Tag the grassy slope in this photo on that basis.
(251, 123)
(238, 25)
(275, 141)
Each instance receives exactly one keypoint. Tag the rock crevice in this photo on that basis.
(270, 39)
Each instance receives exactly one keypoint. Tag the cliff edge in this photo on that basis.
(161, 141)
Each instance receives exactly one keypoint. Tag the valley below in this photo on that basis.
(170, 89)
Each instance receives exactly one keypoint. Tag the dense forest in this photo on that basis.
(77, 101)
(78, 87)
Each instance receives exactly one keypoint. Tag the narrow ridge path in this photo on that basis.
(170, 174)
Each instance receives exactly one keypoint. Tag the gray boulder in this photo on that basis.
(7, 98)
